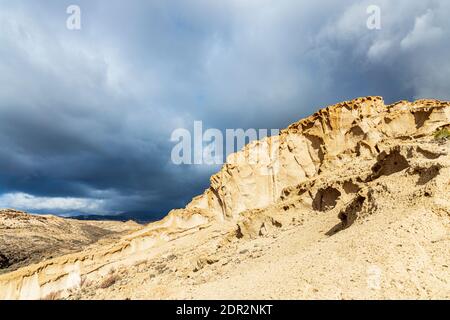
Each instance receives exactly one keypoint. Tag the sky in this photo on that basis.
(86, 115)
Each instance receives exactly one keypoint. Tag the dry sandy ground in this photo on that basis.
(402, 257)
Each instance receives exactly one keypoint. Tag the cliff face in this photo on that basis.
(345, 132)
(343, 161)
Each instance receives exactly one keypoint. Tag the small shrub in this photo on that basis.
(442, 134)
(84, 282)
(109, 281)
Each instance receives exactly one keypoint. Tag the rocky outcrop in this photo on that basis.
(331, 161)
(328, 139)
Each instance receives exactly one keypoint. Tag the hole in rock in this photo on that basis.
(429, 154)
(427, 174)
(326, 199)
(389, 164)
(421, 116)
(4, 261)
(350, 187)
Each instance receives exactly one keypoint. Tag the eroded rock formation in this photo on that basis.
(346, 132)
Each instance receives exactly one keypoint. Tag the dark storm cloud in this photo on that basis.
(86, 116)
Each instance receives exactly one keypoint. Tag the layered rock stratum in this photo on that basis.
(350, 203)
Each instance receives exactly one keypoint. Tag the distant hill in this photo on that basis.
(30, 238)
(139, 217)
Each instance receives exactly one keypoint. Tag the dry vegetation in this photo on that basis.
(109, 280)
(442, 134)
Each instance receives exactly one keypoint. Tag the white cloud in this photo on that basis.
(28, 202)
(423, 32)
(379, 49)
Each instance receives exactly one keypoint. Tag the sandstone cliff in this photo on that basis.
(326, 140)
(351, 176)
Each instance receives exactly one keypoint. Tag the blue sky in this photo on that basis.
(86, 115)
